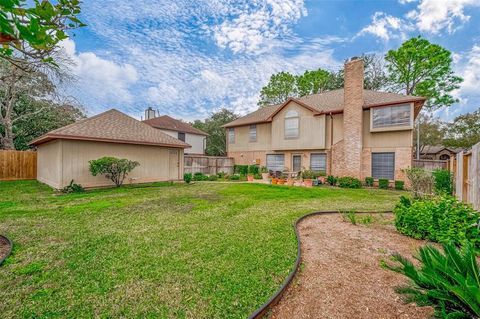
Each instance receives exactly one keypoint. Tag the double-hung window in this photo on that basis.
(253, 133)
(391, 116)
(318, 162)
(383, 165)
(292, 124)
(181, 136)
(231, 135)
(275, 162)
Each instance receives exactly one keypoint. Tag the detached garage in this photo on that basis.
(63, 154)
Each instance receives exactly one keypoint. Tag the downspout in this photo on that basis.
(331, 143)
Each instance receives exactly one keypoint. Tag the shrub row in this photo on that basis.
(443, 219)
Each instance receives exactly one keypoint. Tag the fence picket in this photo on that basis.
(17, 165)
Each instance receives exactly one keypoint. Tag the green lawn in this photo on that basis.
(209, 250)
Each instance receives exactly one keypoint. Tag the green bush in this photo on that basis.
(448, 282)
(350, 216)
(349, 182)
(443, 219)
(399, 185)
(257, 176)
(331, 180)
(199, 176)
(369, 181)
(263, 169)
(73, 188)
(187, 177)
(443, 181)
(115, 169)
(421, 182)
(308, 174)
(253, 169)
(383, 183)
(234, 177)
(240, 169)
(221, 174)
(212, 178)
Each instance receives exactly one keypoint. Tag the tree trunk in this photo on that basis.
(7, 139)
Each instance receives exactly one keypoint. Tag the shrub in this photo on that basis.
(257, 176)
(199, 176)
(349, 182)
(443, 219)
(253, 169)
(399, 185)
(234, 177)
(212, 178)
(221, 174)
(187, 177)
(448, 281)
(421, 182)
(73, 188)
(331, 180)
(383, 183)
(240, 169)
(308, 174)
(115, 169)
(350, 216)
(369, 181)
(443, 181)
(263, 169)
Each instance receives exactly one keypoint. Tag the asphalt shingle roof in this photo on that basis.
(115, 127)
(168, 123)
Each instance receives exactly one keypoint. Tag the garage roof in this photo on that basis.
(112, 126)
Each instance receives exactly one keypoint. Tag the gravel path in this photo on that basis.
(341, 275)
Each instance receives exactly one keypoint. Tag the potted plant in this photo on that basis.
(307, 176)
(274, 181)
(264, 172)
(252, 170)
(322, 178)
(290, 181)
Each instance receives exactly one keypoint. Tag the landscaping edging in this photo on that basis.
(262, 311)
(9, 251)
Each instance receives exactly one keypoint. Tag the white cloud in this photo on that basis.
(386, 27)
(253, 29)
(433, 16)
(406, 1)
(99, 79)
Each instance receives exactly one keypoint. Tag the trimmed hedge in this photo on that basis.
(331, 180)
(349, 182)
(443, 182)
(443, 219)
(241, 169)
(399, 185)
(369, 181)
(383, 183)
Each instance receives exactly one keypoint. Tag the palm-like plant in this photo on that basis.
(448, 281)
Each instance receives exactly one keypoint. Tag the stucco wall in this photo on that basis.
(196, 141)
(242, 139)
(49, 163)
(156, 163)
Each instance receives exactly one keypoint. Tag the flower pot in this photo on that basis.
(290, 181)
(265, 176)
(308, 182)
(281, 181)
(322, 179)
(274, 181)
(250, 178)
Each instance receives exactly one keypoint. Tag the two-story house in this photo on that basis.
(347, 132)
(179, 130)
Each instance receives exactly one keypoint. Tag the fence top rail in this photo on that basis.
(208, 156)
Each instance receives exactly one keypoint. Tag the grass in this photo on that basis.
(207, 250)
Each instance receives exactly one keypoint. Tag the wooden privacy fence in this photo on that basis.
(209, 165)
(430, 165)
(17, 165)
(467, 176)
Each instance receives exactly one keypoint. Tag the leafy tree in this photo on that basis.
(115, 169)
(376, 78)
(216, 141)
(464, 131)
(432, 131)
(280, 87)
(33, 33)
(421, 68)
(312, 82)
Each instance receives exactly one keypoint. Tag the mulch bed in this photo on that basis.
(4, 248)
(342, 276)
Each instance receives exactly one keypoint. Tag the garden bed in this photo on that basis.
(342, 275)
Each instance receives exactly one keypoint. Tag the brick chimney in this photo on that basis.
(353, 117)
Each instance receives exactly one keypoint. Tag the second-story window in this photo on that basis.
(253, 133)
(390, 116)
(292, 124)
(181, 136)
(231, 135)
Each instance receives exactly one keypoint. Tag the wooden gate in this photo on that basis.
(18, 165)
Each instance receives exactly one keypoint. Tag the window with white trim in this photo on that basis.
(231, 135)
(389, 116)
(253, 133)
(318, 162)
(275, 162)
(383, 165)
(292, 124)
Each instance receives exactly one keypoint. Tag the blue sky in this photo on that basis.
(190, 58)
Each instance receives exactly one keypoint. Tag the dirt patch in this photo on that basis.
(4, 248)
(341, 275)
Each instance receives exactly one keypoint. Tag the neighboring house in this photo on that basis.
(181, 130)
(63, 154)
(346, 132)
(439, 153)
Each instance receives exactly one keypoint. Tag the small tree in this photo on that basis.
(115, 169)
